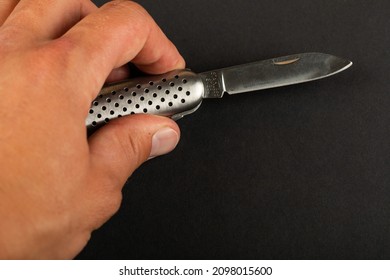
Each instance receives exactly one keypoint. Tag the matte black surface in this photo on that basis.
(301, 172)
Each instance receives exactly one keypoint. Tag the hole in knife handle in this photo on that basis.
(174, 94)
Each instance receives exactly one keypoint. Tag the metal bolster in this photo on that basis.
(213, 83)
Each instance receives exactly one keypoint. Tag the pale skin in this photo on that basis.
(57, 185)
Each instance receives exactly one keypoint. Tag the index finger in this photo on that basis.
(119, 32)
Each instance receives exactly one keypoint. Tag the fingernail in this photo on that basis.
(163, 141)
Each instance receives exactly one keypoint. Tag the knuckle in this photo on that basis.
(9, 35)
(105, 198)
(109, 204)
(127, 136)
(112, 204)
(125, 4)
(50, 64)
(130, 146)
(132, 10)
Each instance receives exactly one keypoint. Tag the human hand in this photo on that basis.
(57, 186)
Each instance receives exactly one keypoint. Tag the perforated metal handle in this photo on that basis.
(174, 94)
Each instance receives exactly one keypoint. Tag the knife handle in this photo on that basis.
(174, 94)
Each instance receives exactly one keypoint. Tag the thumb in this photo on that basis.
(121, 146)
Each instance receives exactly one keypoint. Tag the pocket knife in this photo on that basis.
(181, 92)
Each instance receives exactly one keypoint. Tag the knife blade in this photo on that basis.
(181, 92)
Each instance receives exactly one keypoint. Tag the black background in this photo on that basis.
(301, 172)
